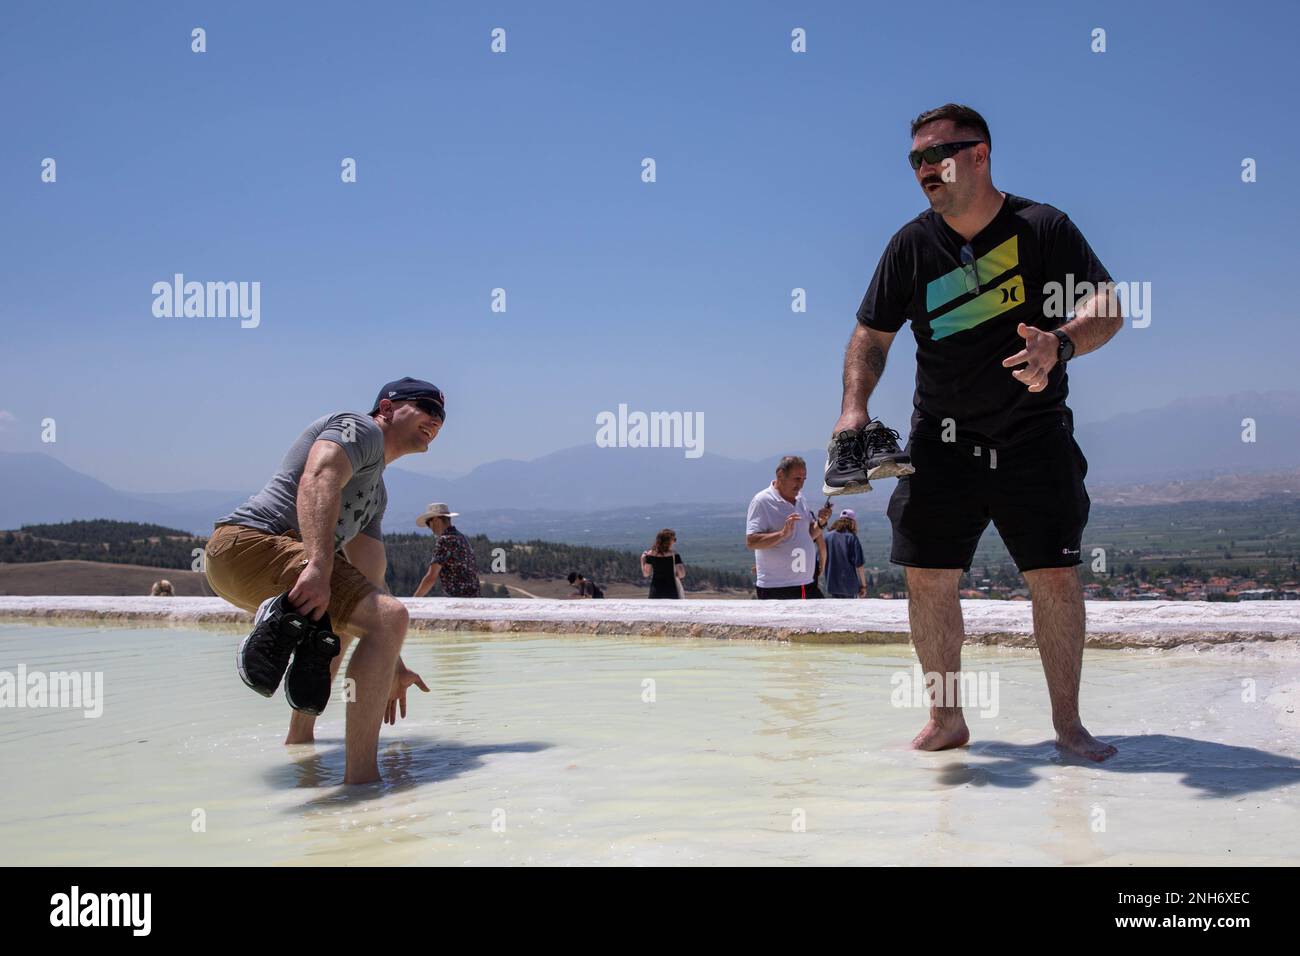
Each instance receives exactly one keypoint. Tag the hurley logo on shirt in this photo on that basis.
(974, 276)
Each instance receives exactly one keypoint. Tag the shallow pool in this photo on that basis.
(580, 750)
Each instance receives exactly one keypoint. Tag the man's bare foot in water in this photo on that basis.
(942, 736)
(1076, 740)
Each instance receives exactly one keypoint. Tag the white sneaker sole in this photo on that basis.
(891, 469)
(854, 488)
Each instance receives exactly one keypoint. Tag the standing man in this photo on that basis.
(307, 554)
(992, 437)
(782, 532)
(453, 556)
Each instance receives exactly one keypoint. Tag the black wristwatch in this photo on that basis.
(1064, 348)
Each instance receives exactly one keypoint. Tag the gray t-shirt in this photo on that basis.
(274, 509)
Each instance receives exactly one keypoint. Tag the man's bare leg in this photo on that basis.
(1059, 630)
(934, 613)
(302, 727)
(379, 621)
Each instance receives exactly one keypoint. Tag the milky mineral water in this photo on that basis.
(545, 749)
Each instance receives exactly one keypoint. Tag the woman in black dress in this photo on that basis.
(663, 566)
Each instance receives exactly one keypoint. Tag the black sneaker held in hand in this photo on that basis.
(263, 656)
(883, 457)
(307, 688)
(846, 469)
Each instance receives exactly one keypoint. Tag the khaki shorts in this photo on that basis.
(246, 566)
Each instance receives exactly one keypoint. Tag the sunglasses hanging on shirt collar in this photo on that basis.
(970, 266)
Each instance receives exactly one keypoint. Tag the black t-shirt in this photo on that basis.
(663, 572)
(963, 334)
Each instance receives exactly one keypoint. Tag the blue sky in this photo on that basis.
(522, 171)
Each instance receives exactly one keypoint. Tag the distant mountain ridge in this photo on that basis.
(38, 489)
(1195, 439)
(1179, 452)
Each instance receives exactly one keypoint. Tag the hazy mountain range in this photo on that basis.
(1179, 452)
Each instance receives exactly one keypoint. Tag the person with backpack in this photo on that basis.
(583, 587)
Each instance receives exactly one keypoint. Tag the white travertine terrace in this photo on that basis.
(1110, 623)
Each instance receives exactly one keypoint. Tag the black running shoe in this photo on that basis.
(307, 688)
(884, 459)
(846, 467)
(263, 655)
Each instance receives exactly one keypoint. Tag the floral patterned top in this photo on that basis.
(459, 574)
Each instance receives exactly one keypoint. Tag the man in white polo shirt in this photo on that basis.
(782, 532)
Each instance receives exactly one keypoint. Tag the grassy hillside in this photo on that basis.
(115, 542)
(131, 543)
(408, 558)
(1258, 539)
(95, 577)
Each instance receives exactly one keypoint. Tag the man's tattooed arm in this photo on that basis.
(864, 364)
(876, 361)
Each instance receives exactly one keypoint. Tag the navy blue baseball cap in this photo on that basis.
(428, 395)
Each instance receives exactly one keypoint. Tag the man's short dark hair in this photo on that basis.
(963, 117)
(788, 462)
(573, 576)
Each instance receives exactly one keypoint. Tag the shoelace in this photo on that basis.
(881, 438)
(848, 448)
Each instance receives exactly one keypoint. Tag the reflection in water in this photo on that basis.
(403, 763)
(453, 672)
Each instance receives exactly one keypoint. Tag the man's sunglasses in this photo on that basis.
(429, 407)
(935, 154)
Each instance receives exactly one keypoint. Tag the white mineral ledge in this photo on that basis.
(1110, 623)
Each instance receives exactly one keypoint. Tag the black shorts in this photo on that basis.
(795, 592)
(1032, 492)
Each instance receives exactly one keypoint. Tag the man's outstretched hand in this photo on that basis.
(1038, 356)
(402, 679)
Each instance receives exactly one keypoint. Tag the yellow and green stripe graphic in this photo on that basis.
(988, 303)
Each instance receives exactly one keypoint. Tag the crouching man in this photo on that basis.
(307, 554)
